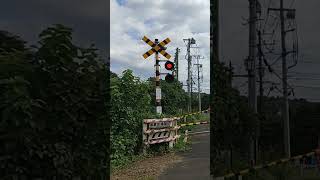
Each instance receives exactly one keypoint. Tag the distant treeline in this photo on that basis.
(53, 108)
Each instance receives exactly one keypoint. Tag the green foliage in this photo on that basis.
(11, 43)
(130, 104)
(133, 100)
(53, 110)
(233, 122)
(181, 146)
(305, 126)
(174, 98)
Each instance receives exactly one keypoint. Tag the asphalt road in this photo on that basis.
(196, 163)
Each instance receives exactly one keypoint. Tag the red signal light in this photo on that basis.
(169, 65)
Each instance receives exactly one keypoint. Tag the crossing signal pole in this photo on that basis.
(158, 88)
(158, 48)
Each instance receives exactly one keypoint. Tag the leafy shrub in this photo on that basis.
(53, 109)
(130, 104)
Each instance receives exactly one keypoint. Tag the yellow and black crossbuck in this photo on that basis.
(156, 47)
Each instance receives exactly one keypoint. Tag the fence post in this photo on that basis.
(172, 134)
(185, 136)
(176, 124)
(240, 177)
(144, 137)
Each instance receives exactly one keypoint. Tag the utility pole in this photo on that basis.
(251, 66)
(189, 75)
(230, 73)
(285, 111)
(189, 81)
(284, 85)
(261, 72)
(199, 88)
(191, 86)
(176, 63)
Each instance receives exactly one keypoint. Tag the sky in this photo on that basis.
(89, 19)
(305, 76)
(177, 20)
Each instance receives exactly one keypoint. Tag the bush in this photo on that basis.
(130, 104)
(53, 109)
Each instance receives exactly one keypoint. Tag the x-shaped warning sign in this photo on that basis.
(156, 47)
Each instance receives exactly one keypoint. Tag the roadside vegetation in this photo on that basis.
(53, 101)
(133, 100)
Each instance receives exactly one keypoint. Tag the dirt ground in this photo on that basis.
(147, 169)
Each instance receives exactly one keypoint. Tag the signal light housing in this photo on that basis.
(169, 78)
(169, 65)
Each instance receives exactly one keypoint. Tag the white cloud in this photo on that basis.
(178, 20)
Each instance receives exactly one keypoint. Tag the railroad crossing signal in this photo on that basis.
(169, 66)
(159, 48)
(156, 47)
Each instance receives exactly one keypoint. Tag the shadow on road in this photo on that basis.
(196, 163)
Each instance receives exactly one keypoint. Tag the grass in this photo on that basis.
(181, 146)
(127, 161)
(155, 150)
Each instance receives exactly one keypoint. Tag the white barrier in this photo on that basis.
(160, 131)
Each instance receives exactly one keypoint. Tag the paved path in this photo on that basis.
(195, 164)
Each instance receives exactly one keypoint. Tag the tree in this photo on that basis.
(11, 43)
(174, 98)
(232, 122)
(130, 104)
(59, 106)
